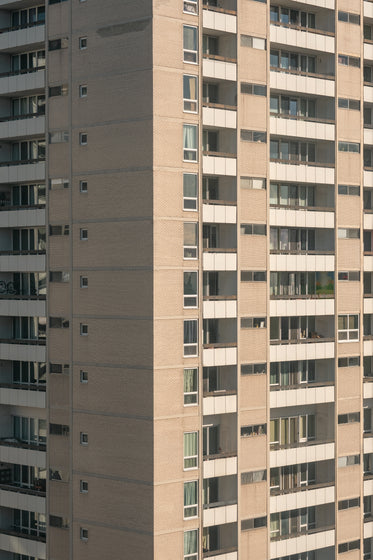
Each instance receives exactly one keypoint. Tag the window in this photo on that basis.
(345, 547)
(348, 460)
(190, 338)
(351, 190)
(190, 44)
(253, 276)
(190, 6)
(83, 42)
(253, 89)
(58, 323)
(83, 186)
(83, 330)
(293, 430)
(349, 60)
(83, 138)
(59, 522)
(84, 281)
(351, 503)
(350, 276)
(30, 430)
(253, 42)
(55, 276)
(55, 184)
(59, 368)
(83, 90)
(352, 361)
(348, 17)
(58, 137)
(290, 62)
(349, 418)
(59, 430)
(59, 230)
(83, 376)
(253, 322)
(190, 386)
(191, 289)
(253, 369)
(190, 450)
(254, 476)
(253, 183)
(190, 94)
(83, 234)
(349, 147)
(190, 191)
(191, 545)
(190, 499)
(348, 328)
(292, 151)
(190, 240)
(253, 229)
(253, 136)
(55, 44)
(353, 104)
(83, 438)
(55, 91)
(83, 487)
(257, 430)
(83, 534)
(256, 523)
(351, 233)
(190, 142)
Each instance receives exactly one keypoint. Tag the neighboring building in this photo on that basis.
(192, 185)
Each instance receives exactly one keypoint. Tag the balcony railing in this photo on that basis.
(219, 9)
(23, 490)
(312, 340)
(221, 455)
(304, 488)
(304, 208)
(301, 252)
(20, 534)
(301, 533)
(218, 392)
(220, 551)
(218, 154)
(216, 57)
(220, 504)
(304, 296)
(22, 26)
(219, 298)
(28, 341)
(14, 442)
(24, 386)
(21, 162)
(22, 71)
(300, 162)
(309, 443)
(326, 76)
(212, 202)
(27, 297)
(18, 253)
(301, 386)
(217, 345)
(301, 28)
(302, 118)
(219, 250)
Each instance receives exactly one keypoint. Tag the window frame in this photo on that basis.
(193, 506)
(194, 459)
(191, 347)
(83, 43)
(349, 330)
(187, 100)
(192, 395)
(192, 54)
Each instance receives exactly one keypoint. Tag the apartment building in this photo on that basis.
(191, 183)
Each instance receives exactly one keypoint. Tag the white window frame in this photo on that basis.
(83, 234)
(193, 555)
(83, 438)
(83, 43)
(186, 100)
(349, 330)
(193, 54)
(189, 7)
(83, 376)
(83, 186)
(83, 487)
(193, 507)
(195, 457)
(190, 199)
(83, 534)
(84, 281)
(190, 296)
(193, 249)
(188, 150)
(83, 90)
(83, 138)
(83, 329)
(193, 395)
(191, 347)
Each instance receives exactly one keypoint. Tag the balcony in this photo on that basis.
(299, 241)
(216, 212)
(219, 436)
(220, 542)
(302, 127)
(303, 453)
(322, 539)
(301, 330)
(25, 81)
(302, 37)
(283, 79)
(298, 287)
(22, 36)
(289, 484)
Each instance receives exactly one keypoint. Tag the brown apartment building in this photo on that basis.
(186, 280)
